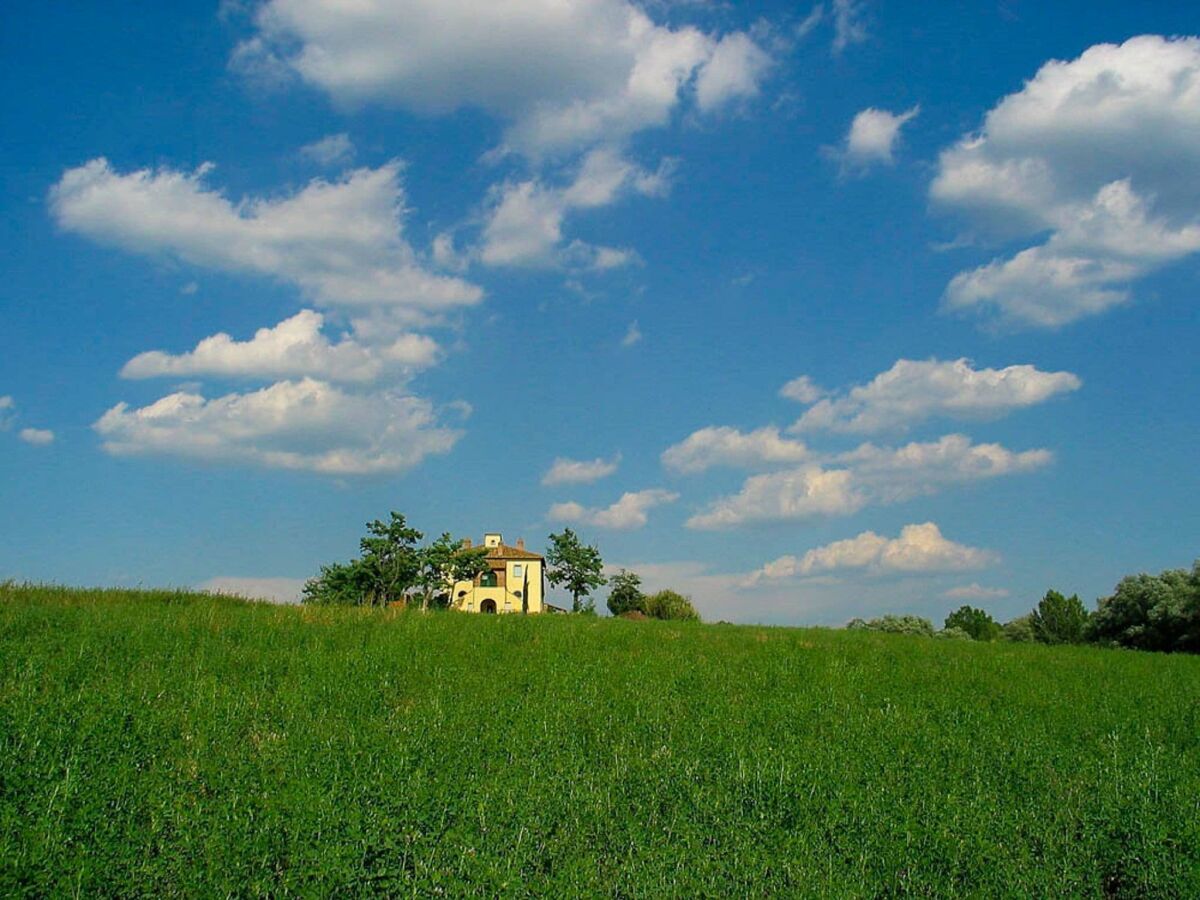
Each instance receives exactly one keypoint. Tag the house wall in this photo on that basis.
(530, 581)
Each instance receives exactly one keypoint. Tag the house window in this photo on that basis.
(517, 570)
(487, 579)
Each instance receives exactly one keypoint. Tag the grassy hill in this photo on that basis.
(161, 744)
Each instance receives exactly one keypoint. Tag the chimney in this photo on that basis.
(520, 543)
(466, 543)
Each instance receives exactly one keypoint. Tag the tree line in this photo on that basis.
(393, 567)
(1144, 612)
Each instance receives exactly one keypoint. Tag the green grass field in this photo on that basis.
(159, 744)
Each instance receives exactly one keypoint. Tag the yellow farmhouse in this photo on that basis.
(513, 584)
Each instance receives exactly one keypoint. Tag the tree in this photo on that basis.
(626, 593)
(574, 565)
(1152, 612)
(670, 605)
(975, 622)
(390, 560)
(338, 584)
(1059, 620)
(444, 562)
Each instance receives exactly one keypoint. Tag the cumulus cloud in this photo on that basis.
(524, 221)
(38, 437)
(803, 390)
(912, 391)
(561, 75)
(273, 590)
(1099, 153)
(339, 241)
(724, 446)
(919, 549)
(294, 348)
(974, 591)
(633, 335)
(626, 514)
(577, 471)
(867, 475)
(779, 496)
(893, 474)
(303, 425)
(331, 150)
(873, 135)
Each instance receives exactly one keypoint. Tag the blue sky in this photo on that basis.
(810, 312)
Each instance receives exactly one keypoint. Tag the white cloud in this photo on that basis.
(918, 549)
(275, 590)
(734, 70)
(849, 25)
(304, 425)
(39, 437)
(577, 471)
(7, 411)
(873, 135)
(633, 335)
(894, 474)
(524, 223)
(912, 391)
(1099, 152)
(724, 446)
(331, 150)
(868, 475)
(628, 513)
(293, 348)
(975, 591)
(803, 390)
(779, 496)
(563, 75)
(339, 241)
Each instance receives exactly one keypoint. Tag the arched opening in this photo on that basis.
(487, 606)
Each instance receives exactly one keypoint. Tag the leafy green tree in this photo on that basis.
(976, 623)
(1059, 620)
(670, 605)
(574, 565)
(390, 559)
(625, 594)
(444, 562)
(1020, 630)
(338, 584)
(1152, 612)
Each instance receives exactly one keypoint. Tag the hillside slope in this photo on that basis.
(164, 744)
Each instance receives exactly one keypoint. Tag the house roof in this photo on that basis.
(503, 551)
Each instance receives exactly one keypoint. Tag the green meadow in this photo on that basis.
(173, 744)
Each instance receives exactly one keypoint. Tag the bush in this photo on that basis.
(954, 633)
(976, 623)
(670, 605)
(1020, 630)
(895, 625)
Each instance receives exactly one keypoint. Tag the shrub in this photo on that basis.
(954, 633)
(670, 605)
(895, 625)
(1020, 630)
(626, 593)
